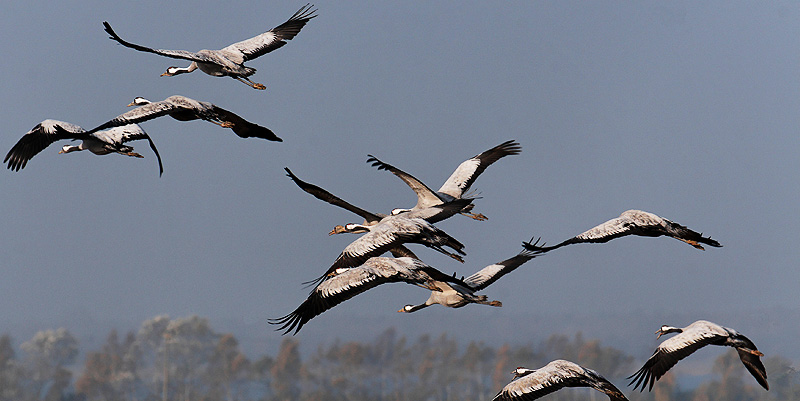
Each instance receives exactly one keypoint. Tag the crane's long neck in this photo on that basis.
(72, 148)
(413, 308)
(520, 371)
(171, 71)
(668, 329)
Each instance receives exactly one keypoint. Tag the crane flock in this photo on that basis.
(360, 266)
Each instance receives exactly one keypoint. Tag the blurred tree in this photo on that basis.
(184, 359)
(10, 371)
(47, 354)
(189, 344)
(664, 388)
(612, 362)
(501, 373)
(109, 374)
(151, 361)
(227, 368)
(730, 387)
(784, 380)
(286, 370)
(477, 365)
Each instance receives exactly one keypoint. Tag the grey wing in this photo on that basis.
(39, 138)
(468, 171)
(401, 251)
(555, 376)
(534, 385)
(128, 133)
(178, 54)
(244, 128)
(330, 293)
(274, 38)
(368, 245)
(441, 211)
(140, 114)
(326, 196)
(357, 252)
(754, 366)
(426, 197)
(354, 281)
(122, 134)
(614, 228)
(684, 233)
(669, 352)
(383, 238)
(489, 274)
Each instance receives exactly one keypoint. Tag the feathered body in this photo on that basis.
(531, 384)
(183, 108)
(100, 142)
(353, 281)
(391, 232)
(691, 338)
(634, 222)
(229, 61)
(457, 184)
(458, 294)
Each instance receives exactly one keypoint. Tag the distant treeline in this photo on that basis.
(184, 359)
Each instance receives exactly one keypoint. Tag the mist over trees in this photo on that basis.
(185, 359)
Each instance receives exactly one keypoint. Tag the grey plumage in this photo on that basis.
(370, 218)
(634, 222)
(531, 384)
(325, 196)
(456, 295)
(432, 214)
(229, 61)
(691, 338)
(459, 182)
(353, 281)
(100, 142)
(183, 108)
(388, 234)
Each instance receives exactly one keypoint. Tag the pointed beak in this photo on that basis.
(131, 104)
(164, 74)
(61, 151)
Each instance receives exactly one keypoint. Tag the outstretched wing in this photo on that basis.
(669, 353)
(128, 133)
(754, 366)
(387, 235)
(489, 274)
(179, 54)
(687, 235)
(140, 114)
(244, 128)
(274, 38)
(38, 138)
(437, 213)
(326, 196)
(634, 222)
(426, 197)
(344, 286)
(553, 377)
(468, 171)
(614, 228)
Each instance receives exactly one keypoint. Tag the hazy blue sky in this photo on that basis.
(688, 111)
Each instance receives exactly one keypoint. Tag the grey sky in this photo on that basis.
(688, 111)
